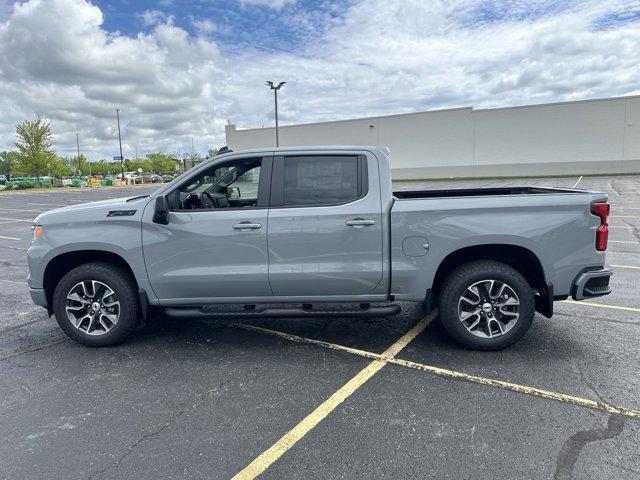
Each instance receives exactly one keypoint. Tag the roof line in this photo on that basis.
(443, 110)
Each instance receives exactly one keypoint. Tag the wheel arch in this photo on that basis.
(518, 257)
(63, 263)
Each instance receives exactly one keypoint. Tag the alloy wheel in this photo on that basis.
(489, 308)
(92, 307)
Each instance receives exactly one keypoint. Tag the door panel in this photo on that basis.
(324, 250)
(213, 246)
(313, 252)
(201, 255)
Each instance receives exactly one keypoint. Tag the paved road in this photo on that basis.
(203, 399)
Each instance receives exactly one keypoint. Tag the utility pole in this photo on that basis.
(78, 157)
(275, 89)
(120, 142)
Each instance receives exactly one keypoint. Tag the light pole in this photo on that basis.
(120, 142)
(275, 89)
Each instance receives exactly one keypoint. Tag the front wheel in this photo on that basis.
(96, 304)
(486, 305)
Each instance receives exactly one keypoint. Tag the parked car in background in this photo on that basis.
(133, 177)
(152, 178)
(263, 230)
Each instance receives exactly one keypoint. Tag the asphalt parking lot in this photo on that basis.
(315, 398)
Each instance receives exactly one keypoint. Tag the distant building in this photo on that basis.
(580, 137)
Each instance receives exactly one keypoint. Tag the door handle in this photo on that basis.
(247, 226)
(360, 222)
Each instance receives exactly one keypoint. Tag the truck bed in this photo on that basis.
(481, 192)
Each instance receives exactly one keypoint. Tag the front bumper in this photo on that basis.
(38, 296)
(592, 283)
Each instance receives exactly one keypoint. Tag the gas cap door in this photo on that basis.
(415, 246)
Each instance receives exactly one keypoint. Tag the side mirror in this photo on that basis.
(161, 210)
(233, 193)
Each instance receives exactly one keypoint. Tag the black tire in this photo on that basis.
(125, 290)
(456, 284)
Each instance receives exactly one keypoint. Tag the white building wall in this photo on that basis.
(595, 136)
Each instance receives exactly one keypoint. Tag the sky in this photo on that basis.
(181, 69)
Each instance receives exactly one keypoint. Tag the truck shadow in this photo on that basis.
(543, 344)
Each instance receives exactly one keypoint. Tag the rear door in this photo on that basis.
(325, 225)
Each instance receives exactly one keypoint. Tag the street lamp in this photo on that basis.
(275, 89)
(120, 142)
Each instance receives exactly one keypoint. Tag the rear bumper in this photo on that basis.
(592, 283)
(38, 296)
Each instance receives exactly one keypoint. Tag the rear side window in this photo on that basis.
(322, 180)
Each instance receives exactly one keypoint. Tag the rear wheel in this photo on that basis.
(96, 304)
(486, 305)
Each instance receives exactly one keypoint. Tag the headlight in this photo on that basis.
(37, 231)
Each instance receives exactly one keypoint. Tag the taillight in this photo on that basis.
(601, 210)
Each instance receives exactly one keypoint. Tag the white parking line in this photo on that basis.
(576, 184)
(623, 241)
(50, 204)
(16, 219)
(625, 266)
(20, 210)
(601, 305)
(8, 238)
(12, 221)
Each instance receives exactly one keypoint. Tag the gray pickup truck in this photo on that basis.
(297, 232)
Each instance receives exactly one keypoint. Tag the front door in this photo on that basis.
(215, 244)
(325, 226)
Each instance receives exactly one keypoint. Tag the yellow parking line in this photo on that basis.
(602, 305)
(289, 439)
(444, 372)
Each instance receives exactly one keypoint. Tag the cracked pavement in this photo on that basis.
(199, 399)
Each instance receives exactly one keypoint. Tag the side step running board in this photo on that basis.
(191, 312)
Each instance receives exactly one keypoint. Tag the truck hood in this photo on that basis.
(82, 209)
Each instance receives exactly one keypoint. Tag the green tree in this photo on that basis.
(133, 164)
(102, 167)
(57, 167)
(161, 163)
(7, 161)
(212, 152)
(33, 148)
(80, 164)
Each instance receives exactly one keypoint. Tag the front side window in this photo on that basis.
(229, 185)
(320, 180)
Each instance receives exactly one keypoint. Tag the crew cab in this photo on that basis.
(295, 232)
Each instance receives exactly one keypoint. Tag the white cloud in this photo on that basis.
(203, 26)
(57, 61)
(275, 4)
(155, 17)
(378, 56)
